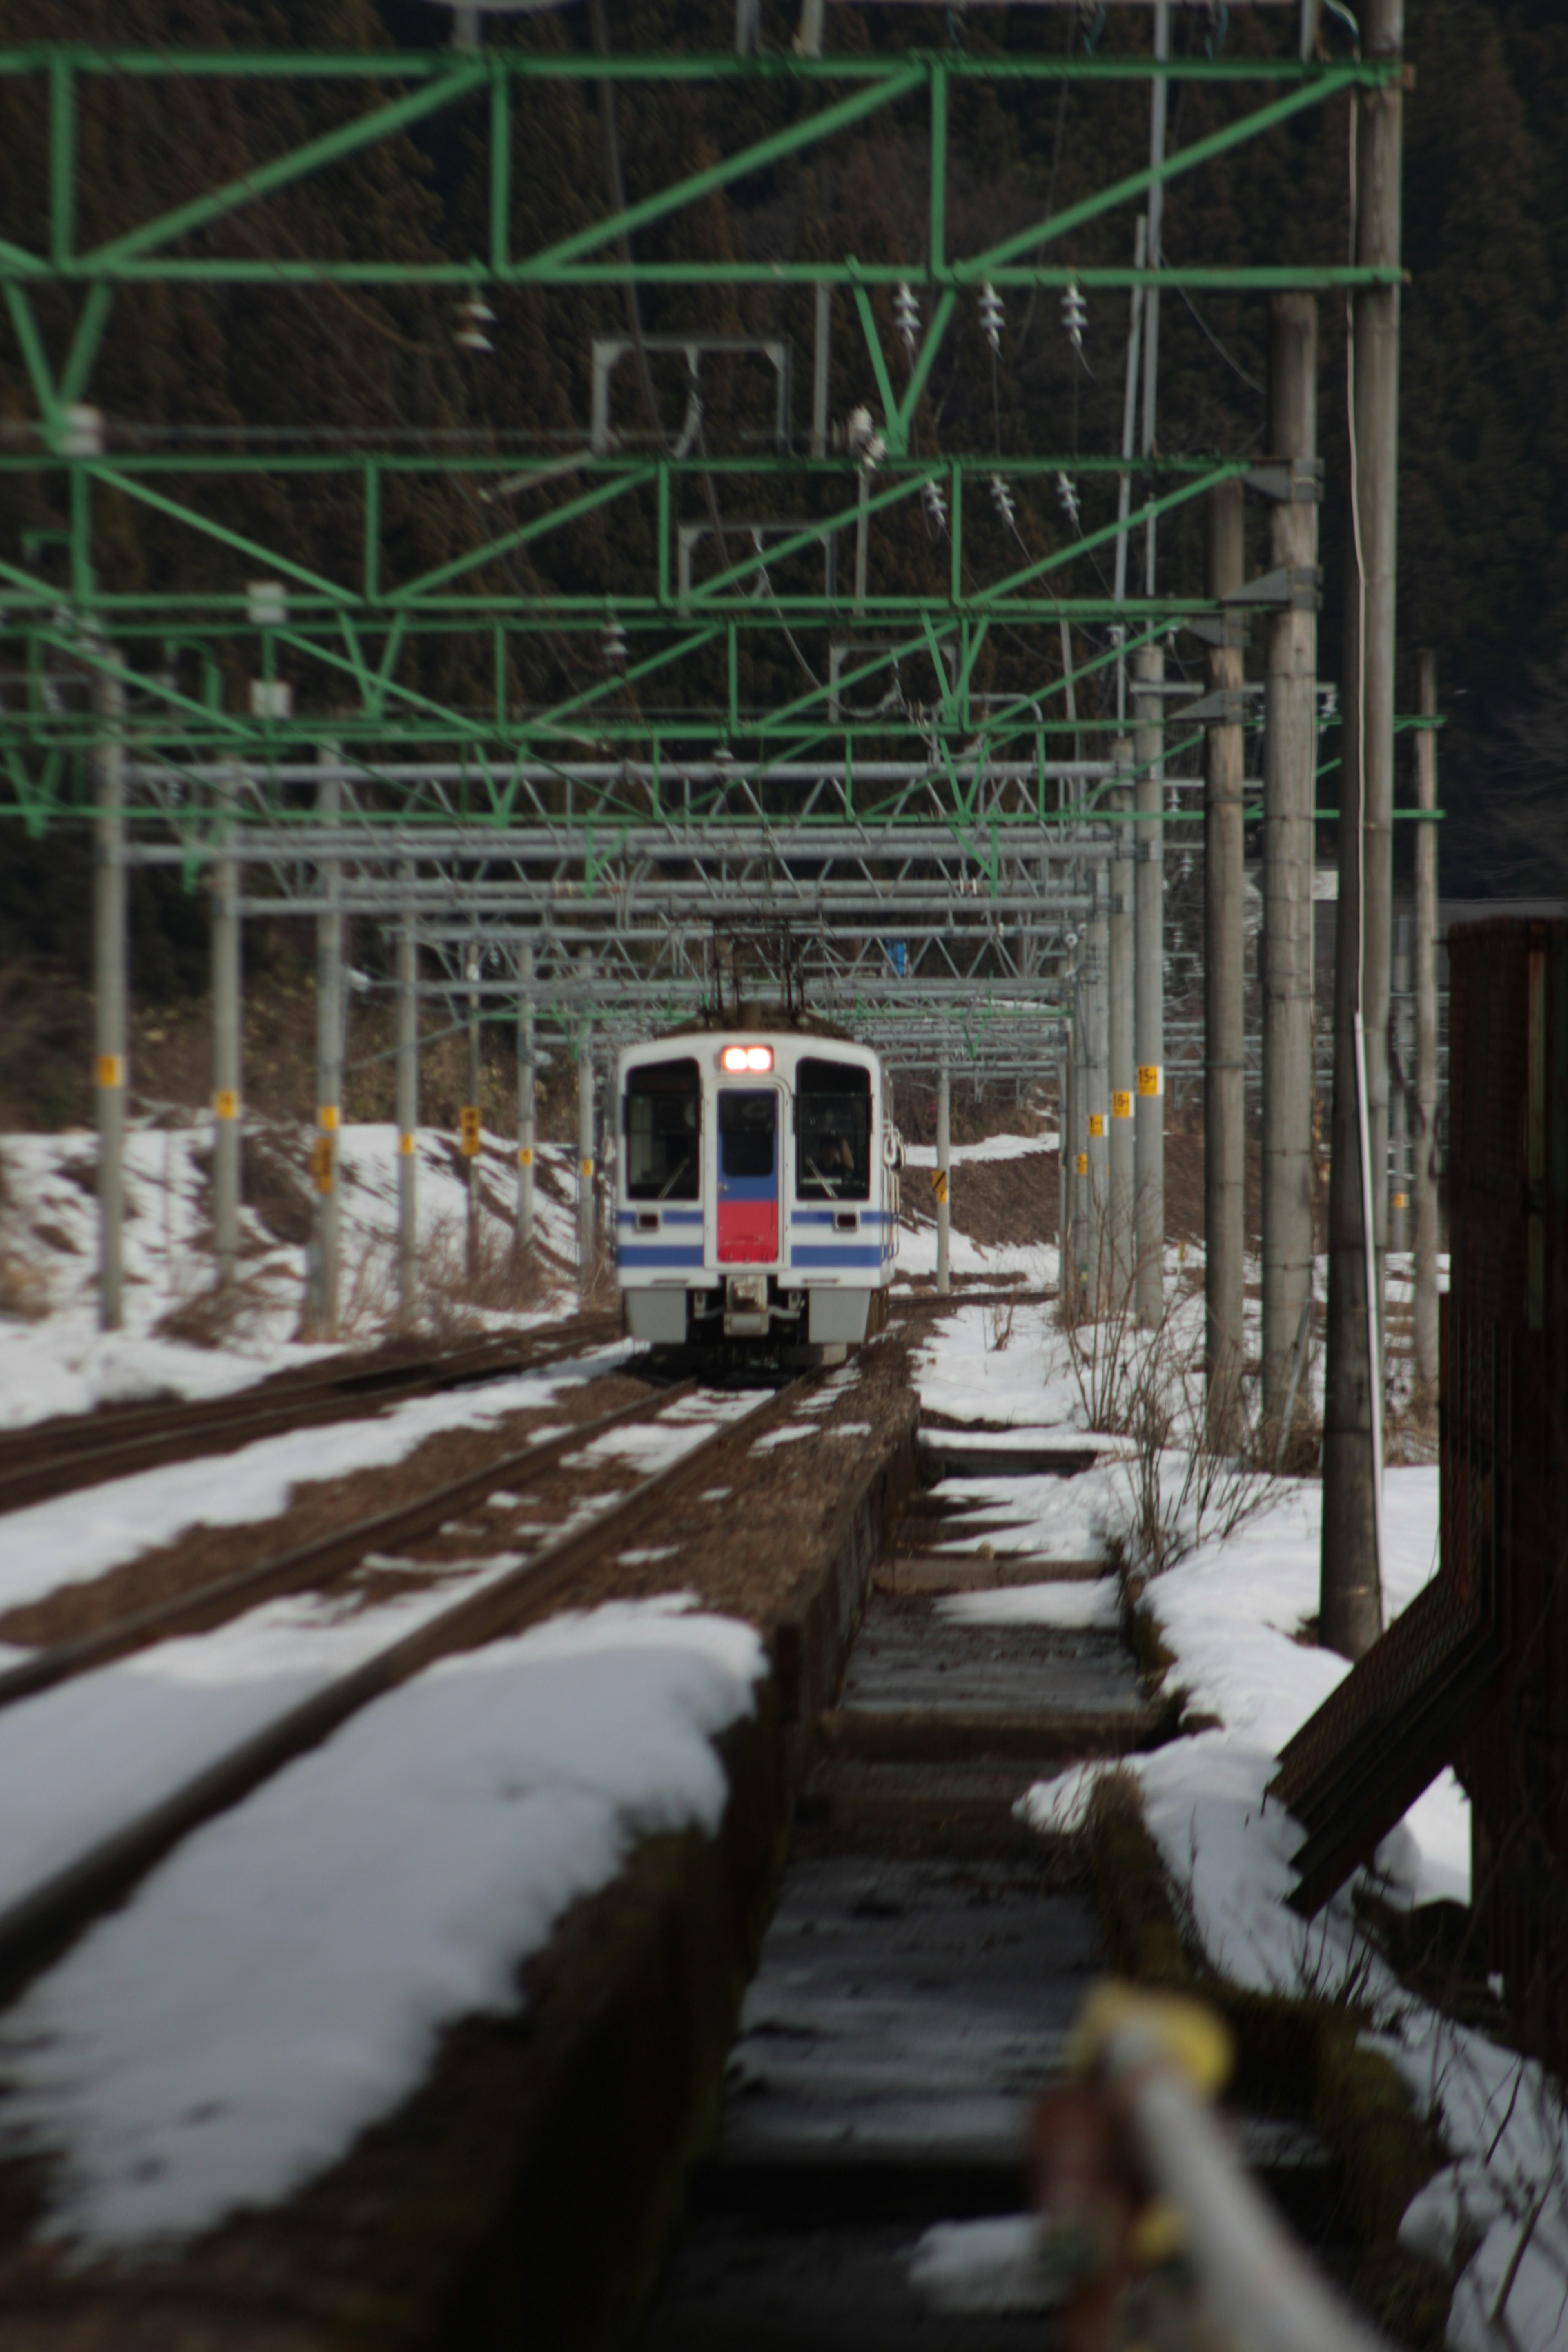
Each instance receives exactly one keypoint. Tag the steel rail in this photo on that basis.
(217, 1426)
(38, 1926)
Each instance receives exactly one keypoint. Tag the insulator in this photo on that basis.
(615, 646)
(1075, 318)
(1067, 492)
(473, 317)
(1002, 499)
(991, 316)
(936, 505)
(907, 317)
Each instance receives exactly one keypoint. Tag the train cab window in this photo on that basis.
(663, 1120)
(832, 1131)
(748, 1122)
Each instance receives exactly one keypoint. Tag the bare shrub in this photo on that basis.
(25, 1292)
(1187, 1482)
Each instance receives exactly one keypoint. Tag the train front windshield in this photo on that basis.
(833, 1131)
(664, 1126)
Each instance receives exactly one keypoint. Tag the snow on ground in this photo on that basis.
(993, 1146)
(54, 1358)
(1076, 1608)
(1002, 1364)
(78, 1535)
(1232, 1612)
(80, 1760)
(282, 1982)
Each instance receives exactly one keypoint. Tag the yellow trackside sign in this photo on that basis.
(468, 1126)
(1150, 1078)
(1121, 1105)
(939, 1183)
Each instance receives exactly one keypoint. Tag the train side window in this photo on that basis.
(748, 1119)
(663, 1120)
(832, 1131)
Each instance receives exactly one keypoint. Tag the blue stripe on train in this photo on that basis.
(657, 1254)
(845, 1254)
(825, 1216)
(668, 1216)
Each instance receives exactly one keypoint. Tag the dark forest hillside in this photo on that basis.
(1484, 487)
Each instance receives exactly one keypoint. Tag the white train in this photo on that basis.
(756, 1190)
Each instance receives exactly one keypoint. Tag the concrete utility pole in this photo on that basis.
(329, 1069)
(408, 1105)
(1425, 1184)
(1224, 1075)
(1352, 1590)
(525, 1098)
(1097, 1104)
(1082, 1188)
(1158, 89)
(1123, 1056)
(109, 978)
(1399, 1100)
(1063, 1172)
(943, 1177)
(471, 1121)
(1148, 984)
(226, 984)
(585, 1145)
(1290, 793)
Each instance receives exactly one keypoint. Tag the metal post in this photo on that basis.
(862, 538)
(1425, 1172)
(1082, 1188)
(1225, 1087)
(1063, 1177)
(225, 985)
(1129, 442)
(943, 1177)
(408, 1105)
(329, 1066)
(585, 1147)
(109, 930)
(1351, 1613)
(1148, 984)
(820, 357)
(808, 39)
(1152, 299)
(1098, 1103)
(525, 1098)
(1123, 1056)
(1399, 1098)
(472, 1124)
(1290, 791)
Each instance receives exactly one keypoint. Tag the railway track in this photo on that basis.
(58, 1457)
(38, 1924)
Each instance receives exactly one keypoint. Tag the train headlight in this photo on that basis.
(747, 1057)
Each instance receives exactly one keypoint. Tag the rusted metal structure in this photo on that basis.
(1476, 1671)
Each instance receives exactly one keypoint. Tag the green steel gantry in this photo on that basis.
(674, 628)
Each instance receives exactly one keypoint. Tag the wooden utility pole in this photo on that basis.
(1351, 1591)
(1425, 1175)
(1290, 793)
(1225, 1077)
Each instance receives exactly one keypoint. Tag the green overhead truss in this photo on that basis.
(630, 596)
